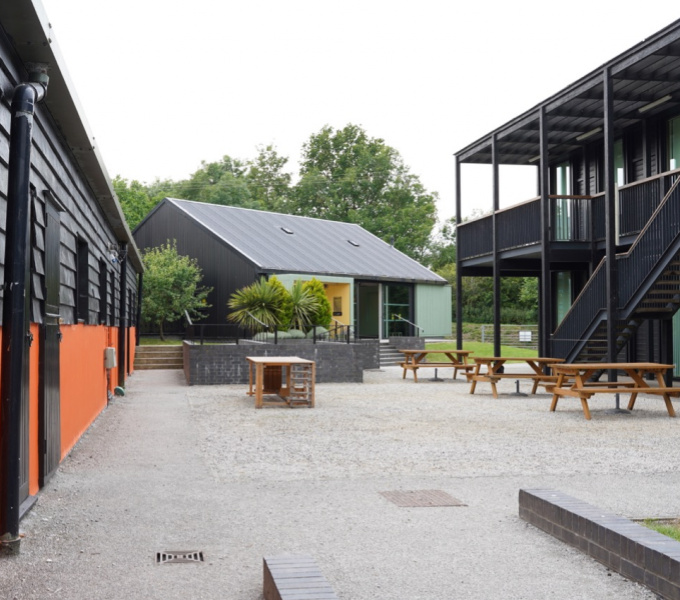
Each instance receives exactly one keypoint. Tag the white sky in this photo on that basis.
(165, 85)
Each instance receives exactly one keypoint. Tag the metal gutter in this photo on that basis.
(26, 22)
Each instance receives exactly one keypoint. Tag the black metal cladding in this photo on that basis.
(215, 258)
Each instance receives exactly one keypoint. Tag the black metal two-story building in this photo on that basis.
(602, 234)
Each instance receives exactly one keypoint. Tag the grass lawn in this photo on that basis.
(669, 528)
(484, 349)
(154, 341)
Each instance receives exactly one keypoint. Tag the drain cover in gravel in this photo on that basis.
(180, 556)
(417, 498)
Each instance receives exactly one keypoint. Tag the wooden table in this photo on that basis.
(289, 378)
(493, 373)
(572, 381)
(456, 359)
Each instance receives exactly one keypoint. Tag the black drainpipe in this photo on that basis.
(15, 323)
(123, 318)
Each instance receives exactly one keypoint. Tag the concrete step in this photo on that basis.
(390, 356)
(159, 357)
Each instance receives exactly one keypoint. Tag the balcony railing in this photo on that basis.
(520, 226)
(572, 218)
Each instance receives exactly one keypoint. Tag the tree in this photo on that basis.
(347, 176)
(221, 182)
(268, 184)
(443, 247)
(171, 286)
(134, 199)
(323, 315)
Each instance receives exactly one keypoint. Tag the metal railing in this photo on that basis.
(638, 269)
(520, 225)
(415, 328)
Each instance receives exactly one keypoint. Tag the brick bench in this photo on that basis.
(636, 552)
(294, 577)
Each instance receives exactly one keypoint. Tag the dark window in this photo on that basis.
(82, 281)
(110, 300)
(102, 291)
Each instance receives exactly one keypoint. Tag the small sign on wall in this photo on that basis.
(525, 336)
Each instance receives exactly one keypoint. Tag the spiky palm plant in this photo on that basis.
(256, 304)
(304, 306)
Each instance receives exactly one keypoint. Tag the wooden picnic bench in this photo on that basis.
(572, 381)
(416, 359)
(294, 577)
(488, 369)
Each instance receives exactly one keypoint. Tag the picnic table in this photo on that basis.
(489, 369)
(289, 378)
(572, 381)
(415, 359)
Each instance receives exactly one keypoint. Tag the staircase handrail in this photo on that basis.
(400, 318)
(591, 300)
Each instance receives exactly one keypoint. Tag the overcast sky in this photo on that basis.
(165, 85)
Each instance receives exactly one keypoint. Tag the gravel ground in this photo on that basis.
(172, 467)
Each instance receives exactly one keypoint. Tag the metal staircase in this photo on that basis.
(649, 288)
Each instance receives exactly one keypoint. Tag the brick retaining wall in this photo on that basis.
(634, 551)
(216, 364)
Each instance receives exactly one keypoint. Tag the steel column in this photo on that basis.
(496, 260)
(545, 296)
(610, 219)
(459, 277)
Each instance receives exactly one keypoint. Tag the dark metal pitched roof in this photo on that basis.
(646, 73)
(287, 243)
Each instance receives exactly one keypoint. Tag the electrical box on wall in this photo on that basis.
(110, 358)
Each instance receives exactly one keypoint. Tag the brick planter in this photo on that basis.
(634, 551)
(217, 364)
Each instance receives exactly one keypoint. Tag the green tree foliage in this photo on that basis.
(284, 314)
(268, 182)
(171, 286)
(221, 182)
(443, 247)
(323, 315)
(135, 200)
(347, 176)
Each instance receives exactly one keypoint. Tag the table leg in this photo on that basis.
(494, 391)
(259, 384)
(556, 396)
(584, 405)
(666, 398)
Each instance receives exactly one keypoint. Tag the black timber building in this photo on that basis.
(602, 234)
(373, 288)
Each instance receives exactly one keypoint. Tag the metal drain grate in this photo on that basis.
(178, 556)
(418, 498)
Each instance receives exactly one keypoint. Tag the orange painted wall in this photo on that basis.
(83, 380)
(83, 385)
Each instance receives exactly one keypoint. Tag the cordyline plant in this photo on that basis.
(256, 305)
(269, 302)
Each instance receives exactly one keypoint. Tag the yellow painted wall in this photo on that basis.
(342, 291)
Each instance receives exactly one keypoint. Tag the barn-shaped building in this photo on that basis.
(69, 261)
(373, 288)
